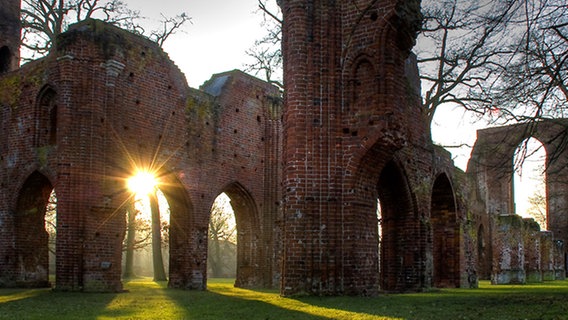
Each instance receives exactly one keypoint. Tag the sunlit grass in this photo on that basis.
(146, 299)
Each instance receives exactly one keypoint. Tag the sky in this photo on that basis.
(217, 38)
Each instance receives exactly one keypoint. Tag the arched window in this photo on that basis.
(4, 59)
(47, 117)
(529, 181)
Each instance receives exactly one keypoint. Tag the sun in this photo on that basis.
(142, 183)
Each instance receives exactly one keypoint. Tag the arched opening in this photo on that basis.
(222, 244)
(248, 262)
(32, 238)
(51, 228)
(146, 243)
(529, 183)
(5, 57)
(445, 235)
(398, 236)
(47, 117)
(483, 255)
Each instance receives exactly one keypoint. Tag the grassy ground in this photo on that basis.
(150, 300)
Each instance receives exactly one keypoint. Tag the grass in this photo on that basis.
(150, 300)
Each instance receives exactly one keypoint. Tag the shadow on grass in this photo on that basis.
(541, 301)
(48, 304)
(150, 300)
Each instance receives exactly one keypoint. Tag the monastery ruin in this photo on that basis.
(306, 171)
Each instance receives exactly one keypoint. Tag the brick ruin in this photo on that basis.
(306, 175)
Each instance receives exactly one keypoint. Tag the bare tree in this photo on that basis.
(157, 258)
(537, 207)
(44, 20)
(458, 47)
(533, 84)
(266, 53)
(222, 237)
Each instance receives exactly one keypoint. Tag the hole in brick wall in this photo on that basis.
(125, 127)
(316, 121)
(234, 155)
(173, 113)
(243, 167)
(131, 75)
(207, 123)
(354, 133)
(143, 54)
(261, 161)
(160, 137)
(262, 139)
(28, 130)
(202, 196)
(258, 118)
(374, 16)
(237, 110)
(346, 130)
(137, 101)
(235, 131)
(97, 234)
(371, 122)
(169, 87)
(102, 120)
(187, 144)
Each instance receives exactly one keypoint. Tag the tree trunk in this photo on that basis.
(157, 259)
(130, 242)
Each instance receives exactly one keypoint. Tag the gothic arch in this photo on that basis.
(181, 218)
(46, 115)
(249, 262)
(445, 234)
(398, 248)
(31, 240)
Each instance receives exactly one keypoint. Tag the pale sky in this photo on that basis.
(216, 40)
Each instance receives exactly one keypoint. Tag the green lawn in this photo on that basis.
(150, 300)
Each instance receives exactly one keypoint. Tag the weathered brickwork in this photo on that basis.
(9, 35)
(338, 189)
(491, 171)
(102, 104)
(355, 132)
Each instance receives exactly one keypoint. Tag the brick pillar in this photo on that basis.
(311, 177)
(532, 244)
(547, 255)
(508, 250)
(559, 259)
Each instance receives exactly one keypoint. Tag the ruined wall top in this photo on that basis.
(10, 30)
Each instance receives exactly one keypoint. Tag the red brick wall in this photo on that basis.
(491, 171)
(121, 104)
(354, 131)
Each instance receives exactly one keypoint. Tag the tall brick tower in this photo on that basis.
(10, 31)
(347, 111)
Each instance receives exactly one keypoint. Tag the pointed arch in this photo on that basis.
(249, 262)
(529, 191)
(32, 253)
(398, 249)
(182, 216)
(445, 234)
(46, 111)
